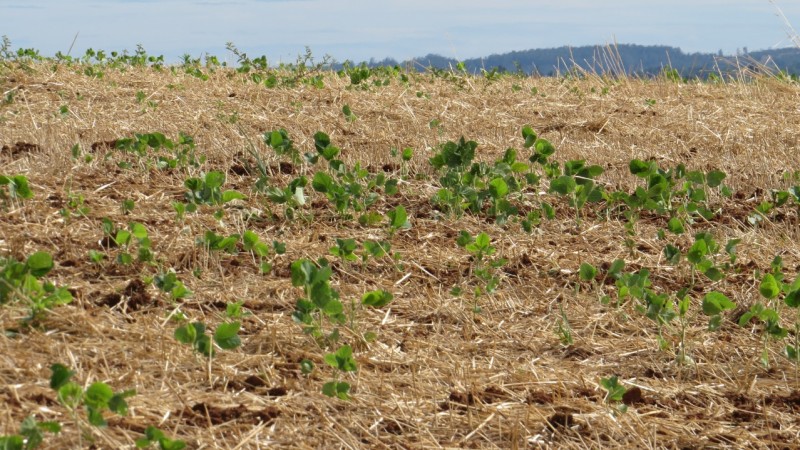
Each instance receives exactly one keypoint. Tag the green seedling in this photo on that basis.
(614, 392)
(348, 114)
(260, 250)
(169, 283)
(792, 300)
(344, 249)
(292, 197)
(153, 435)
(125, 238)
(208, 191)
(342, 360)
(398, 219)
(236, 310)
(714, 303)
(14, 188)
(30, 436)
(75, 207)
(95, 399)
(484, 269)
(160, 151)
(127, 206)
(577, 183)
(226, 336)
(564, 330)
(405, 156)
(770, 288)
(280, 142)
(321, 302)
(701, 257)
(21, 283)
(213, 242)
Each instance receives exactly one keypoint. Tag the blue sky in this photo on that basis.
(358, 30)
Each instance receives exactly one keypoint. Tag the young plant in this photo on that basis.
(21, 282)
(124, 239)
(96, 399)
(344, 249)
(484, 269)
(398, 219)
(577, 184)
(770, 288)
(153, 435)
(342, 361)
(614, 392)
(321, 302)
(226, 336)
(30, 435)
(792, 300)
(14, 188)
(169, 283)
(292, 197)
(208, 191)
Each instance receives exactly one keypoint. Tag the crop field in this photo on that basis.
(245, 256)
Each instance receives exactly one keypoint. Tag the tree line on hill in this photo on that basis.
(622, 59)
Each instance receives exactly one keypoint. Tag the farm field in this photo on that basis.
(250, 257)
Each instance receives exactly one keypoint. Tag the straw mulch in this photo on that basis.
(437, 375)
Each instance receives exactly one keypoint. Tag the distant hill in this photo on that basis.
(630, 59)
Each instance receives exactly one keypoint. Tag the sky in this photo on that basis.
(400, 29)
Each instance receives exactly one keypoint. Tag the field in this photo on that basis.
(626, 278)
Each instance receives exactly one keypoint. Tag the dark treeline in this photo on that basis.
(628, 59)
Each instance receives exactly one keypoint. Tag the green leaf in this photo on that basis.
(398, 218)
(118, 404)
(342, 359)
(39, 264)
(714, 274)
(641, 168)
(714, 178)
(498, 188)
(122, 238)
(587, 272)
(792, 299)
(464, 239)
(98, 395)
(138, 231)
(482, 241)
(614, 389)
(186, 334)
(377, 299)
(60, 375)
(672, 254)
(529, 135)
(70, 395)
(226, 335)
(336, 389)
(563, 185)
(13, 442)
(675, 226)
(370, 219)
(322, 182)
(232, 195)
(715, 302)
(769, 287)
(214, 180)
(306, 366)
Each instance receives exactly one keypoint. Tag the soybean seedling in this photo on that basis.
(483, 269)
(96, 399)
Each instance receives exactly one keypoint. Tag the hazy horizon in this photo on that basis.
(345, 29)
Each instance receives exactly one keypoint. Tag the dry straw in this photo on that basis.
(438, 376)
